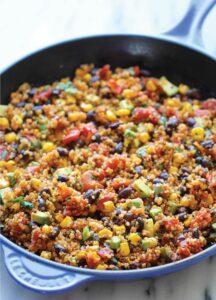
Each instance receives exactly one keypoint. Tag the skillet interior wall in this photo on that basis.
(179, 64)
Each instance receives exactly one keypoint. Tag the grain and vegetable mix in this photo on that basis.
(109, 170)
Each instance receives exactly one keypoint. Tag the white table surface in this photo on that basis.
(27, 25)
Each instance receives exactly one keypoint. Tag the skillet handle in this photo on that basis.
(38, 277)
(189, 29)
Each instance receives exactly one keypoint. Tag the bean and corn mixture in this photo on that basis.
(109, 170)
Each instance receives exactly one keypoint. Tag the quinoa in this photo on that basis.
(109, 169)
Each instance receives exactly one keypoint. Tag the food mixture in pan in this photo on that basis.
(109, 170)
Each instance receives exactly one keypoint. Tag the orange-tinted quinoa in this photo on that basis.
(109, 170)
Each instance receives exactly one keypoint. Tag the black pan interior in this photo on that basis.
(179, 64)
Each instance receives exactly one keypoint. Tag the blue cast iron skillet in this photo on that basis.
(163, 56)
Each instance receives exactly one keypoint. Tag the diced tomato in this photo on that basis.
(33, 169)
(202, 112)
(76, 206)
(183, 251)
(120, 184)
(92, 259)
(61, 124)
(72, 136)
(37, 241)
(145, 114)
(102, 200)
(88, 131)
(116, 163)
(94, 146)
(136, 70)
(105, 253)
(115, 88)
(104, 71)
(209, 104)
(173, 225)
(64, 191)
(202, 219)
(44, 95)
(102, 175)
(88, 181)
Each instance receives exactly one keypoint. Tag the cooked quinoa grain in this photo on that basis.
(109, 170)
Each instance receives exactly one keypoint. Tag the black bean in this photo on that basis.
(95, 237)
(182, 190)
(182, 209)
(113, 261)
(206, 163)
(82, 262)
(41, 203)
(183, 177)
(164, 175)
(191, 122)
(117, 220)
(88, 194)
(37, 107)
(46, 190)
(33, 224)
(213, 212)
(59, 248)
(32, 92)
(172, 122)
(208, 144)
(181, 237)
(185, 170)
(114, 125)
(20, 104)
(157, 180)
(138, 169)
(134, 265)
(94, 79)
(195, 233)
(194, 94)
(91, 115)
(182, 216)
(118, 148)
(62, 151)
(143, 87)
(56, 92)
(54, 233)
(94, 71)
(140, 223)
(129, 216)
(199, 159)
(62, 178)
(119, 210)
(125, 193)
(96, 138)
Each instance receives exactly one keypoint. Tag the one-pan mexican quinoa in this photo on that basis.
(109, 170)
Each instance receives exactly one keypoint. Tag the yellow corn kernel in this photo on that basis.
(10, 137)
(81, 254)
(59, 217)
(105, 233)
(46, 229)
(48, 146)
(86, 107)
(149, 127)
(173, 197)
(87, 77)
(93, 208)
(198, 134)
(76, 116)
(16, 122)
(10, 165)
(3, 183)
(173, 169)
(70, 99)
(2, 163)
(144, 137)
(150, 150)
(179, 158)
(183, 89)
(123, 112)
(108, 207)
(186, 107)
(4, 124)
(36, 184)
(15, 206)
(111, 116)
(127, 93)
(124, 249)
(123, 205)
(170, 102)
(66, 222)
(185, 202)
(151, 86)
(134, 238)
(135, 159)
(46, 254)
(101, 267)
(119, 229)
(188, 221)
